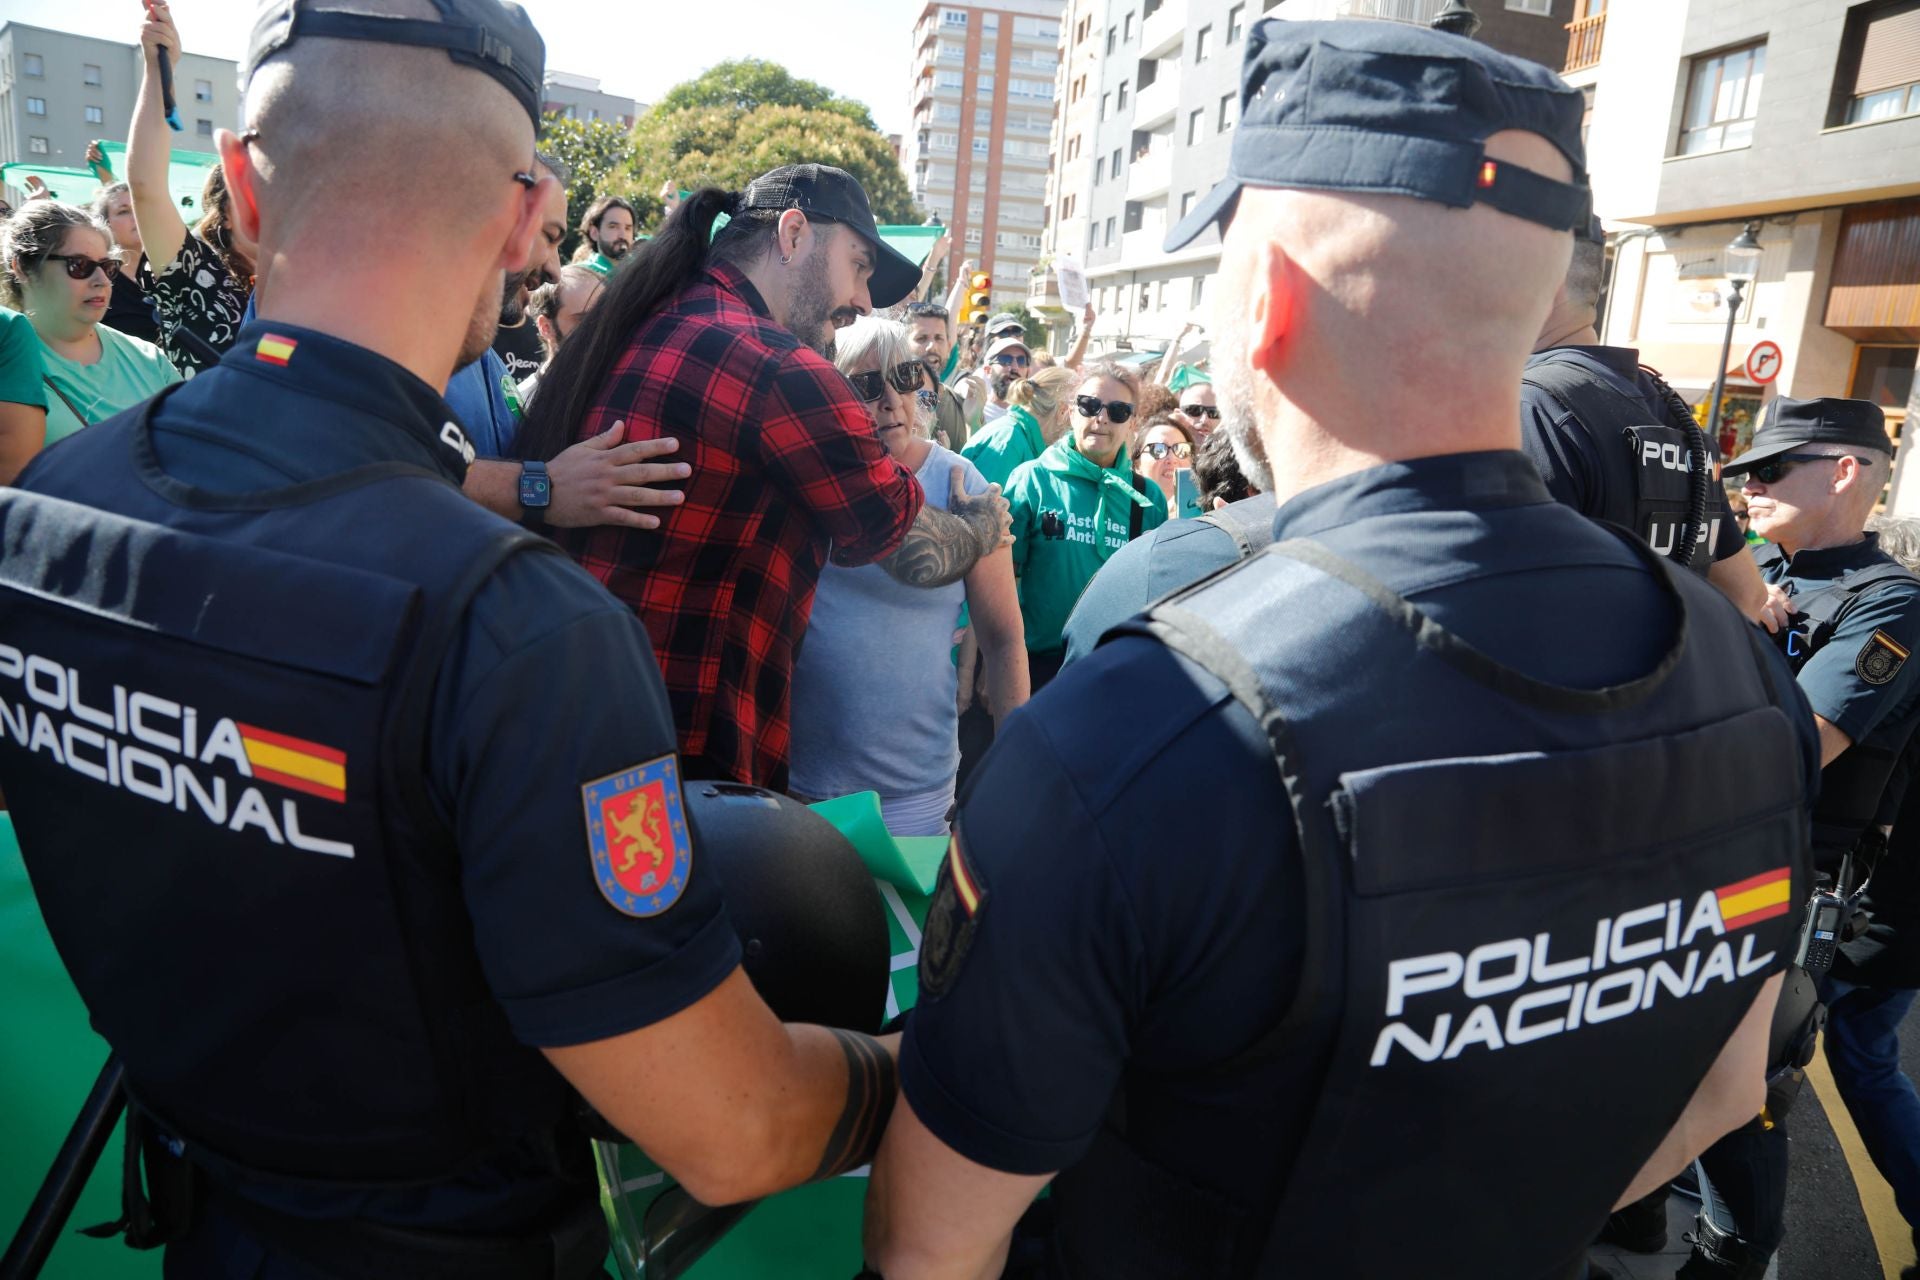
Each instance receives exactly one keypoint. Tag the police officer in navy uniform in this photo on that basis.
(1811, 478)
(1612, 440)
(1467, 788)
(353, 809)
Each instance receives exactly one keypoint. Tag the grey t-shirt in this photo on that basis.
(875, 688)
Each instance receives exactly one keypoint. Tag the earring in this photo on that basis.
(785, 258)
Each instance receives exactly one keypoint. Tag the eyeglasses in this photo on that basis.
(904, 377)
(1159, 450)
(1773, 470)
(1007, 360)
(1200, 410)
(1118, 411)
(81, 267)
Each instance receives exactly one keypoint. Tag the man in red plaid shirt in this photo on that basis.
(725, 349)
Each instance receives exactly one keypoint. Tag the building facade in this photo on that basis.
(60, 91)
(577, 97)
(976, 154)
(1802, 116)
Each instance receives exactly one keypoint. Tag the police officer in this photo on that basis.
(1466, 785)
(1811, 478)
(352, 809)
(1613, 441)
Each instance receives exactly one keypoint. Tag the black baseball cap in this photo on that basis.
(822, 191)
(1791, 424)
(494, 36)
(1394, 109)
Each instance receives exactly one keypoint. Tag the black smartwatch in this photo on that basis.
(536, 492)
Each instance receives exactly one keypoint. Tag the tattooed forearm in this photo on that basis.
(943, 545)
(871, 1085)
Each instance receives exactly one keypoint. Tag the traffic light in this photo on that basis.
(979, 299)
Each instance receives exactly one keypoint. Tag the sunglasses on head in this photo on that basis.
(1118, 411)
(1162, 449)
(1008, 360)
(1773, 470)
(1200, 410)
(81, 267)
(904, 377)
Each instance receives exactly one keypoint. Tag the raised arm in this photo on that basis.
(1079, 352)
(1173, 354)
(149, 149)
(943, 545)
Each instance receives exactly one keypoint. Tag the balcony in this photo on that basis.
(1157, 103)
(1043, 296)
(1151, 172)
(1418, 12)
(1164, 29)
(1583, 41)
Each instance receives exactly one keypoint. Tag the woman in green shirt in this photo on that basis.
(1074, 506)
(60, 264)
(23, 395)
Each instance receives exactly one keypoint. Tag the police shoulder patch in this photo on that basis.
(959, 899)
(1880, 658)
(637, 837)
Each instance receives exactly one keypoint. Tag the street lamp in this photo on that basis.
(1457, 19)
(1742, 257)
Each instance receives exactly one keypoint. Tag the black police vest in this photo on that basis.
(214, 720)
(1662, 503)
(1535, 914)
(1854, 788)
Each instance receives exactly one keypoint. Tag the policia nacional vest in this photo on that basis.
(1854, 786)
(213, 718)
(1668, 460)
(1525, 902)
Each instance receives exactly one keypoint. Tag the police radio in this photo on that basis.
(1820, 933)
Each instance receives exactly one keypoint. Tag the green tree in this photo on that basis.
(752, 83)
(600, 155)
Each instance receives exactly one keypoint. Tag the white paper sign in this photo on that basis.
(1073, 283)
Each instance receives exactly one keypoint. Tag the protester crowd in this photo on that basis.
(858, 534)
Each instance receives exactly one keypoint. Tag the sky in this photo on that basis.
(860, 49)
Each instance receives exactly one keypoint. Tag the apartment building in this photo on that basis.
(60, 91)
(578, 97)
(1802, 116)
(976, 154)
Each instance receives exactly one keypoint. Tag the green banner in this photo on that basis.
(186, 176)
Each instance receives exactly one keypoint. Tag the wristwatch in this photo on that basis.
(536, 492)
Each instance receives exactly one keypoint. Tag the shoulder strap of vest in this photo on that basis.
(1562, 376)
(1827, 604)
(1136, 514)
(1768, 554)
(1240, 528)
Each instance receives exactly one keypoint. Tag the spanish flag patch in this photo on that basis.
(1756, 898)
(305, 766)
(274, 349)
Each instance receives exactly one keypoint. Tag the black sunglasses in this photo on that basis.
(1160, 449)
(1008, 360)
(1773, 470)
(81, 267)
(904, 377)
(1118, 411)
(1200, 410)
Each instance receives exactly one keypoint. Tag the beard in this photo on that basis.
(482, 324)
(811, 315)
(1233, 384)
(615, 249)
(1002, 380)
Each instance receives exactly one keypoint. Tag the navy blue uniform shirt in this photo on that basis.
(1593, 476)
(550, 684)
(1138, 857)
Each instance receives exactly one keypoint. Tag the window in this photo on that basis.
(1113, 38)
(989, 22)
(1236, 23)
(203, 128)
(943, 141)
(1029, 89)
(38, 146)
(1113, 165)
(948, 80)
(1106, 105)
(1122, 103)
(1228, 103)
(1099, 171)
(1126, 28)
(96, 116)
(1542, 7)
(980, 146)
(1722, 100)
(1186, 202)
(985, 85)
(1073, 147)
(36, 106)
(1203, 44)
(89, 74)
(31, 64)
(1196, 122)
(203, 91)
(1109, 230)
(1093, 239)
(953, 17)
(983, 117)
(1199, 291)
(973, 235)
(1881, 51)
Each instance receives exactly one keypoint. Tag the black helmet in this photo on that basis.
(813, 930)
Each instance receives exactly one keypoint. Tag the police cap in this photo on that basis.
(1393, 109)
(1790, 424)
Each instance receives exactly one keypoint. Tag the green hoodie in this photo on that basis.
(1000, 449)
(1069, 516)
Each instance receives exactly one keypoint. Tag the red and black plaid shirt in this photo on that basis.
(785, 463)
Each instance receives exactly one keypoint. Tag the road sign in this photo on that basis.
(1763, 362)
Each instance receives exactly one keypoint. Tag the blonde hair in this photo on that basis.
(1044, 392)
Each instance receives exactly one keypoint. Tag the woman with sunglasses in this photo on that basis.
(875, 685)
(1163, 449)
(60, 266)
(1074, 506)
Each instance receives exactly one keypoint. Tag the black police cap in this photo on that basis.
(1394, 109)
(494, 36)
(834, 194)
(1792, 424)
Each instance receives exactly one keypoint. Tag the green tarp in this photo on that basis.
(186, 175)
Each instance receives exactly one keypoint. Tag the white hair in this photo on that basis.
(872, 339)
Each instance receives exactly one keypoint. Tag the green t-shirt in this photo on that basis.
(1001, 448)
(127, 372)
(1065, 526)
(20, 363)
(600, 264)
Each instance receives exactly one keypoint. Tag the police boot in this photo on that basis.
(1640, 1227)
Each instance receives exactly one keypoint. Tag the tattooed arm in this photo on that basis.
(943, 545)
(734, 1103)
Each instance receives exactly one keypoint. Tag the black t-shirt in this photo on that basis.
(129, 311)
(519, 348)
